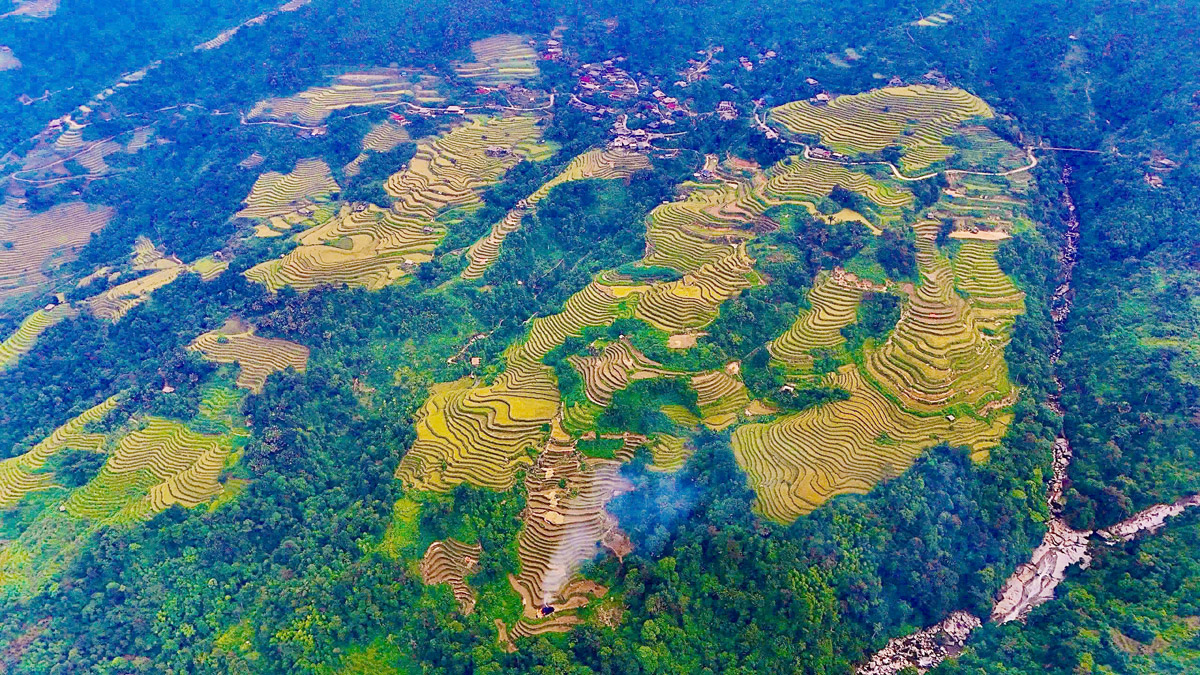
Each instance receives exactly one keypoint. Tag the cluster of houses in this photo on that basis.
(609, 79)
(638, 139)
(1159, 164)
(747, 64)
(620, 87)
(553, 50)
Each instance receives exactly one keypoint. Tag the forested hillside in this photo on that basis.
(589, 336)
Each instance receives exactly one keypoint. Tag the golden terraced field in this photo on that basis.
(364, 245)
(608, 164)
(20, 475)
(917, 118)
(799, 461)
(257, 357)
(23, 338)
(377, 87)
(938, 377)
(500, 59)
(162, 464)
(383, 138)
(833, 306)
(42, 241)
(278, 194)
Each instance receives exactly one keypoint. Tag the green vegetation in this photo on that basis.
(711, 407)
(1132, 611)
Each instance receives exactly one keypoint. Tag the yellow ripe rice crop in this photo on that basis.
(721, 396)
(382, 247)
(18, 475)
(474, 434)
(798, 461)
(257, 356)
(153, 468)
(994, 299)
(364, 245)
(22, 340)
(500, 59)
(383, 138)
(669, 453)
(147, 256)
(609, 164)
(694, 301)
(450, 562)
(377, 87)
(482, 434)
(613, 369)
(803, 179)
(705, 226)
(277, 194)
(833, 307)
(209, 267)
(916, 117)
(116, 302)
(448, 171)
(934, 20)
(938, 355)
(32, 243)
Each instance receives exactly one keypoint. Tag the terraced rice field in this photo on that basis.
(116, 302)
(607, 164)
(371, 247)
(706, 225)
(832, 307)
(472, 432)
(31, 244)
(938, 378)
(20, 475)
(694, 301)
(916, 117)
(803, 180)
(722, 397)
(564, 522)
(147, 256)
(257, 356)
(500, 59)
(668, 452)
(151, 469)
(995, 301)
(938, 355)
(278, 194)
(383, 138)
(376, 87)
(23, 339)
(616, 366)
(985, 204)
(934, 20)
(799, 461)
(450, 562)
(483, 434)
(209, 267)
(475, 434)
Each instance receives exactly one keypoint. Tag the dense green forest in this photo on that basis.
(1132, 611)
(290, 576)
